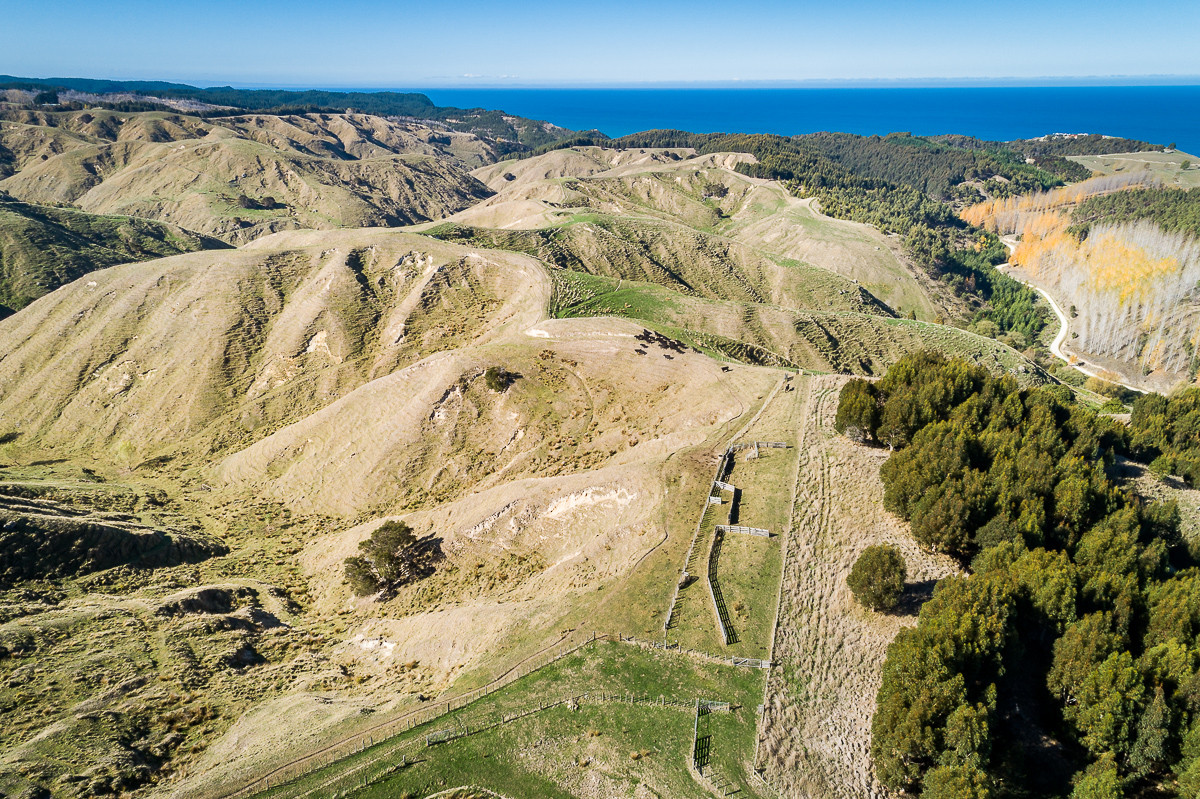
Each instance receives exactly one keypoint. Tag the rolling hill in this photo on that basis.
(275, 404)
(240, 179)
(42, 247)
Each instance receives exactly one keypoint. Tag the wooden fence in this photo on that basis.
(402, 753)
(687, 561)
(394, 726)
(753, 663)
(737, 528)
(763, 444)
(714, 591)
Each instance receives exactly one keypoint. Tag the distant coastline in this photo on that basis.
(1160, 114)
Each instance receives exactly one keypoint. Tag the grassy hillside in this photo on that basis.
(731, 264)
(209, 435)
(1173, 168)
(518, 132)
(850, 341)
(42, 247)
(247, 176)
(691, 225)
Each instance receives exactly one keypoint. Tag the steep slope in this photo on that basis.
(693, 224)
(851, 336)
(241, 178)
(205, 350)
(41, 247)
(1130, 282)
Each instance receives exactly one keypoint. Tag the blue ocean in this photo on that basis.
(1158, 114)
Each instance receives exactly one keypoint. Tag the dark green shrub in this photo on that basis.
(858, 410)
(877, 578)
(498, 379)
(391, 557)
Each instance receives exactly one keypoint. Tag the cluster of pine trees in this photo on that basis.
(935, 166)
(1076, 144)
(1048, 151)
(1166, 433)
(1066, 661)
(1172, 209)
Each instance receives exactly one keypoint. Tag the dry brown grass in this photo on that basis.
(830, 651)
(326, 170)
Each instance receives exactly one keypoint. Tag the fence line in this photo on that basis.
(754, 663)
(701, 744)
(763, 444)
(444, 736)
(687, 561)
(403, 723)
(714, 591)
(419, 716)
(737, 528)
(721, 466)
(408, 721)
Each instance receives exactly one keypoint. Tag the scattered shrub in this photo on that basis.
(391, 557)
(877, 578)
(498, 379)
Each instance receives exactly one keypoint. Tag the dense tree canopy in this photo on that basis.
(1167, 433)
(1172, 209)
(1067, 660)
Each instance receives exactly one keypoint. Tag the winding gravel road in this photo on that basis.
(1063, 327)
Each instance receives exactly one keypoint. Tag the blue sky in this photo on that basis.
(613, 42)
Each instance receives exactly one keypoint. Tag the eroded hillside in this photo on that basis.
(540, 385)
(242, 177)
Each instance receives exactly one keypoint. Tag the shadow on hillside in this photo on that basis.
(422, 558)
(913, 597)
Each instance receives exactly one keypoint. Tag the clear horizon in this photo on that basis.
(997, 82)
(662, 43)
(846, 83)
